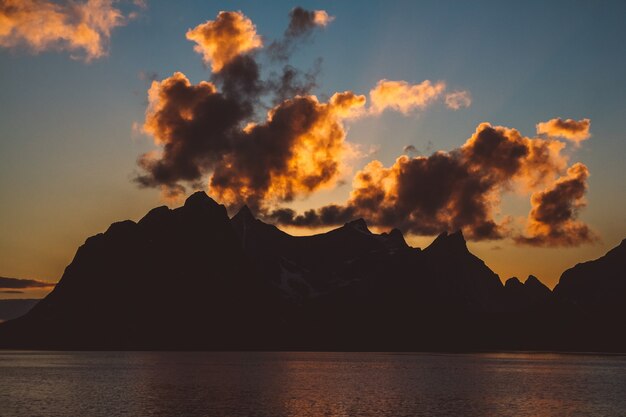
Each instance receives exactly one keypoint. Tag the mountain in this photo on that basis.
(591, 303)
(191, 278)
(305, 267)
(597, 286)
(177, 278)
(530, 295)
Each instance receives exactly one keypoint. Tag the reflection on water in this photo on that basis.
(309, 384)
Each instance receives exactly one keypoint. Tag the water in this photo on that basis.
(309, 384)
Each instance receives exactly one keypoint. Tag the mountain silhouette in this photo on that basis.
(13, 308)
(597, 286)
(191, 278)
(530, 295)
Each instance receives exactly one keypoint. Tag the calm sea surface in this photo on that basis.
(309, 384)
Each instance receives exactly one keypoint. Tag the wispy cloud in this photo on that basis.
(17, 283)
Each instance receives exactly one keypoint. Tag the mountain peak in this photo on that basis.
(449, 242)
(200, 199)
(533, 280)
(513, 282)
(358, 224)
(244, 214)
(396, 237)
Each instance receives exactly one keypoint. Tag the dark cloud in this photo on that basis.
(296, 150)
(328, 215)
(553, 217)
(239, 80)
(446, 190)
(193, 123)
(17, 283)
(216, 130)
(293, 82)
(301, 24)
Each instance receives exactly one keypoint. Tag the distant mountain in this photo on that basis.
(14, 308)
(191, 278)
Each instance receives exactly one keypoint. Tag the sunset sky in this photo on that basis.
(525, 100)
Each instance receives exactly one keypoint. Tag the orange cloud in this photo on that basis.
(322, 18)
(458, 99)
(553, 217)
(84, 29)
(347, 105)
(221, 40)
(576, 131)
(460, 189)
(299, 148)
(302, 21)
(404, 97)
(212, 131)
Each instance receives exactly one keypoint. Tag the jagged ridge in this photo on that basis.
(192, 278)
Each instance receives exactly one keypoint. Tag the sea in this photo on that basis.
(107, 384)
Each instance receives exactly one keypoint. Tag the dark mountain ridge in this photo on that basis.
(191, 278)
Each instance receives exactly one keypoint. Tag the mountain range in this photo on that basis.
(193, 278)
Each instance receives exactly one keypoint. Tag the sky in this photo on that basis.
(504, 119)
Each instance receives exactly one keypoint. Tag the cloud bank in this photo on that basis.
(253, 154)
(460, 189)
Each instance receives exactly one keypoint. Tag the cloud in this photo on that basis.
(221, 40)
(458, 99)
(147, 75)
(297, 149)
(11, 284)
(213, 129)
(302, 22)
(82, 28)
(575, 131)
(222, 131)
(460, 189)
(404, 97)
(553, 217)
(292, 82)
